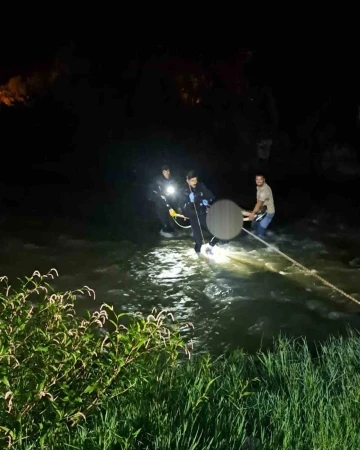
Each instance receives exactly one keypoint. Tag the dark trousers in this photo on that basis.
(197, 231)
(164, 216)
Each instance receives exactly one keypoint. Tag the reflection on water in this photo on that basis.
(244, 298)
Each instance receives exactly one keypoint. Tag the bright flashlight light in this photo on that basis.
(215, 253)
(170, 190)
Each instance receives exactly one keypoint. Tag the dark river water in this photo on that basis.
(243, 298)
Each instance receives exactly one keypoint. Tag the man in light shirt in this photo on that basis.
(264, 202)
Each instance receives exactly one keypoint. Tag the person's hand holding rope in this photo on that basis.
(173, 213)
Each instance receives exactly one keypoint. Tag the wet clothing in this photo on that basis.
(259, 227)
(163, 200)
(197, 232)
(200, 197)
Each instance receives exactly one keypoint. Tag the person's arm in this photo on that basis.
(256, 209)
(208, 195)
(179, 200)
(257, 206)
(154, 190)
(186, 202)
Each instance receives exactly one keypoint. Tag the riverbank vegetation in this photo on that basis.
(117, 381)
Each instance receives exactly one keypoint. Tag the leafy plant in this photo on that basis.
(56, 367)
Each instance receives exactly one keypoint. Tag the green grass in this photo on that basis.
(64, 385)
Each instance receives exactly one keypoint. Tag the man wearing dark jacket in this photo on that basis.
(163, 192)
(194, 201)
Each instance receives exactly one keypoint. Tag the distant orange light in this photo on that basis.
(20, 88)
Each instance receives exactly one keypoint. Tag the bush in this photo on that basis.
(58, 368)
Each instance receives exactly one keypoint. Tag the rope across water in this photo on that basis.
(327, 283)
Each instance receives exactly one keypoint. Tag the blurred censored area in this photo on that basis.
(224, 219)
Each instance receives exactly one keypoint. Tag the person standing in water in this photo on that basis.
(194, 201)
(264, 209)
(163, 192)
